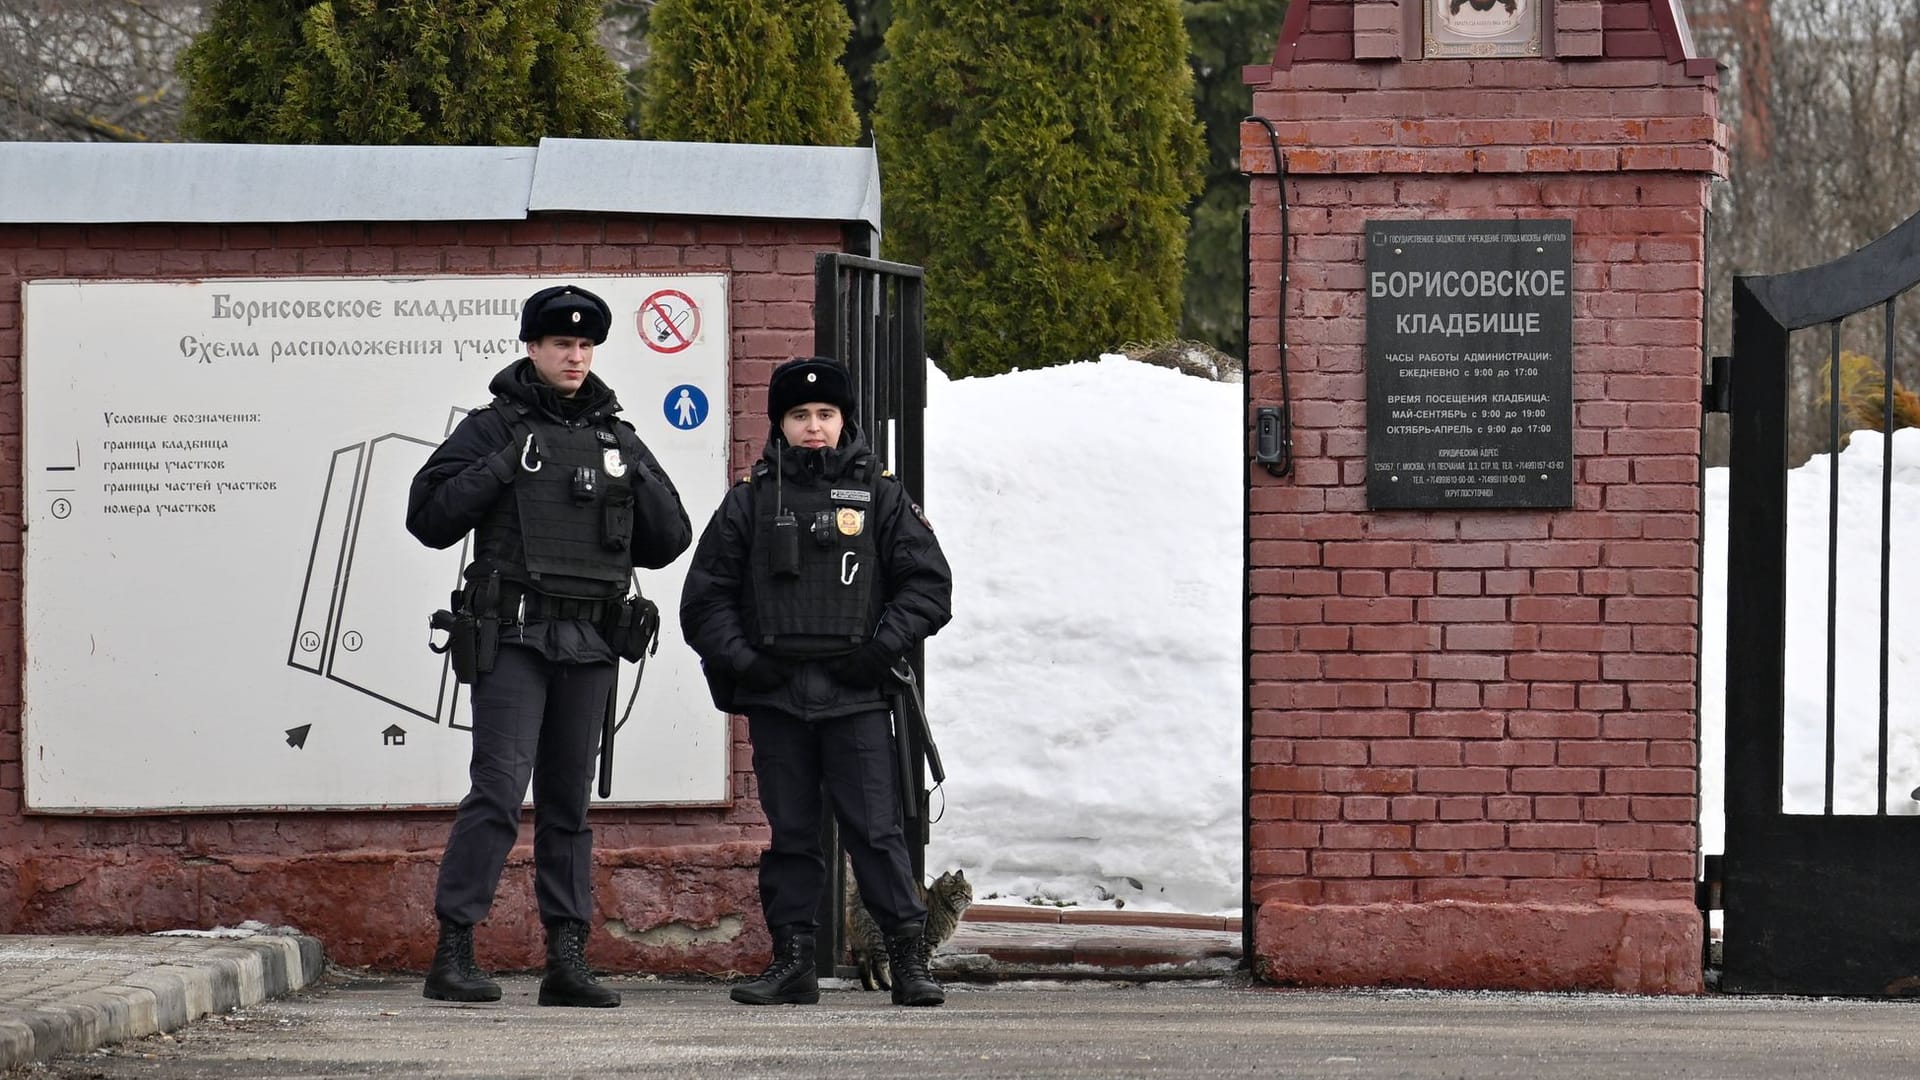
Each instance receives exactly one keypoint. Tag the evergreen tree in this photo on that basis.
(1227, 35)
(865, 50)
(749, 71)
(447, 72)
(1038, 157)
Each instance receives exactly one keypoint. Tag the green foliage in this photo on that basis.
(1226, 36)
(446, 72)
(749, 71)
(865, 51)
(1037, 158)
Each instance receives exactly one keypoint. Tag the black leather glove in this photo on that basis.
(867, 665)
(765, 672)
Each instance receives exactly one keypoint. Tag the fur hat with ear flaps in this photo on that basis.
(806, 379)
(565, 311)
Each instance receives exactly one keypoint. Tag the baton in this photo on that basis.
(904, 672)
(908, 804)
(607, 726)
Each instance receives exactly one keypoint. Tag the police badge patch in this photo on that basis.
(850, 521)
(615, 467)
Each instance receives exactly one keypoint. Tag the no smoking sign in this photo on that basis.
(668, 321)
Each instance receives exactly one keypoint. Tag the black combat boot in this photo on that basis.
(912, 980)
(568, 981)
(790, 979)
(454, 976)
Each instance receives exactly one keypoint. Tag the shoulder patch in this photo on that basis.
(920, 514)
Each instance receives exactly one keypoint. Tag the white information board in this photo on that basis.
(223, 606)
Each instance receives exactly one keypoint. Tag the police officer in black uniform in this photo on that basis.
(815, 577)
(563, 501)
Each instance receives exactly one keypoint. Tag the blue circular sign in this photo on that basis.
(686, 407)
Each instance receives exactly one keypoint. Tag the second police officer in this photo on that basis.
(563, 501)
(816, 575)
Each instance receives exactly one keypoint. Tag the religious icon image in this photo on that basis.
(1483, 28)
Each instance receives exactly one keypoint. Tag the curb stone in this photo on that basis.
(70, 995)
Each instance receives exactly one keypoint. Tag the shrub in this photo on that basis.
(1037, 159)
(445, 72)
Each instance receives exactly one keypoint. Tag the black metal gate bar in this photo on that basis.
(1833, 549)
(1886, 537)
(1814, 903)
(1757, 525)
(867, 314)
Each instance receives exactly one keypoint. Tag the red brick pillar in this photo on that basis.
(1474, 732)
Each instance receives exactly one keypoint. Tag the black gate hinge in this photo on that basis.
(1716, 394)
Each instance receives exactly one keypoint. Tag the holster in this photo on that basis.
(473, 641)
(460, 646)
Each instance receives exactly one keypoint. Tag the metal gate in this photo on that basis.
(869, 315)
(1817, 901)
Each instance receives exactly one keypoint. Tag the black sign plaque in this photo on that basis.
(1469, 364)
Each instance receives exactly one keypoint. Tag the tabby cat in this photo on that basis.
(946, 901)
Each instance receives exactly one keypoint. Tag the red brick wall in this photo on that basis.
(676, 887)
(1346, 30)
(1474, 735)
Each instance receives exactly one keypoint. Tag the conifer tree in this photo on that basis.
(865, 49)
(1227, 35)
(749, 71)
(1037, 157)
(445, 72)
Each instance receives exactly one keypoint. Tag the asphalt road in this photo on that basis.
(353, 1025)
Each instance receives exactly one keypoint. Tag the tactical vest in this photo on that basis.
(567, 529)
(830, 601)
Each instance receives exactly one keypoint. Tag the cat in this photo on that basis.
(946, 901)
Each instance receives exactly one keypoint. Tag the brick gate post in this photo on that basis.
(1474, 748)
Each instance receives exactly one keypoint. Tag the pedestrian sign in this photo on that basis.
(686, 407)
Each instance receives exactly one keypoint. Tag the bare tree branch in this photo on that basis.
(72, 70)
(1822, 97)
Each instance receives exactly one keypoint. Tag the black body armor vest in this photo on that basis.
(815, 577)
(567, 529)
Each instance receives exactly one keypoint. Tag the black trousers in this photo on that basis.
(532, 718)
(854, 757)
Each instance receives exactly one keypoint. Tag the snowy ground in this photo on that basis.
(1087, 696)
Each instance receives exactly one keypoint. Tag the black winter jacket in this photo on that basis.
(916, 585)
(460, 482)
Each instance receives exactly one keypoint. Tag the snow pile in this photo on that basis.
(1856, 635)
(1086, 698)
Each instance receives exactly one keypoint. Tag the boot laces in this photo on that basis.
(459, 941)
(786, 960)
(909, 958)
(571, 950)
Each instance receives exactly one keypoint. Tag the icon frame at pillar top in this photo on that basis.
(1483, 28)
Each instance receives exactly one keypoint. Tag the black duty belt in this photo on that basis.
(526, 605)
